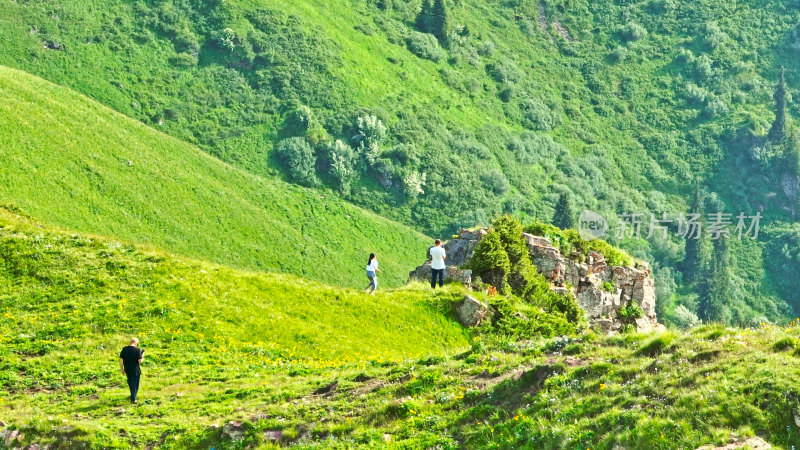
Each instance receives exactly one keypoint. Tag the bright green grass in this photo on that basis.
(225, 345)
(74, 163)
(211, 333)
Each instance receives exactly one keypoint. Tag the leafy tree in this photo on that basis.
(684, 318)
(414, 183)
(370, 134)
(342, 161)
(564, 215)
(299, 158)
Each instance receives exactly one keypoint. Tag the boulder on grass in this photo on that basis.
(471, 312)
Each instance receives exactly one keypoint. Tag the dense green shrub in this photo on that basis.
(619, 54)
(341, 160)
(504, 71)
(533, 148)
(630, 313)
(184, 60)
(519, 322)
(536, 115)
(490, 262)
(487, 48)
(502, 259)
(784, 344)
(299, 158)
(425, 46)
(632, 32)
(495, 182)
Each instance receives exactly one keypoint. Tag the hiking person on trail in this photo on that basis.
(437, 263)
(372, 271)
(129, 359)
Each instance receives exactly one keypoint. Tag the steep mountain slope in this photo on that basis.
(622, 106)
(640, 96)
(71, 162)
(211, 333)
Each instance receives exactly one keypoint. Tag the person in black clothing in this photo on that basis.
(129, 359)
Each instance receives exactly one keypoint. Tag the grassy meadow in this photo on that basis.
(211, 334)
(250, 360)
(74, 163)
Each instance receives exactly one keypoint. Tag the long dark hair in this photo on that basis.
(371, 257)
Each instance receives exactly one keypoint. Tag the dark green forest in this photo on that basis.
(447, 114)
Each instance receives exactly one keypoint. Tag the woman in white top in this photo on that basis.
(372, 271)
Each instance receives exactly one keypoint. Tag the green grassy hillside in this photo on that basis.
(215, 338)
(620, 105)
(72, 162)
(238, 359)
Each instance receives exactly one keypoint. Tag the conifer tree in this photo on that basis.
(425, 17)
(564, 216)
(693, 259)
(385, 5)
(716, 289)
(790, 170)
(778, 131)
(440, 21)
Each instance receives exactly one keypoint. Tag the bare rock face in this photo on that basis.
(601, 290)
(471, 312)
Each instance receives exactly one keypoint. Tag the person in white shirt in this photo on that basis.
(372, 274)
(437, 264)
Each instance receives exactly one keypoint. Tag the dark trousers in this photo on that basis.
(133, 385)
(437, 273)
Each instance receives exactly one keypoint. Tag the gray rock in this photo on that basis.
(451, 274)
(233, 430)
(753, 443)
(536, 241)
(273, 435)
(471, 312)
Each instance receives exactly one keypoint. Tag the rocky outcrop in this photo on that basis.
(458, 251)
(451, 274)
(471, 312)
(600, 289)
